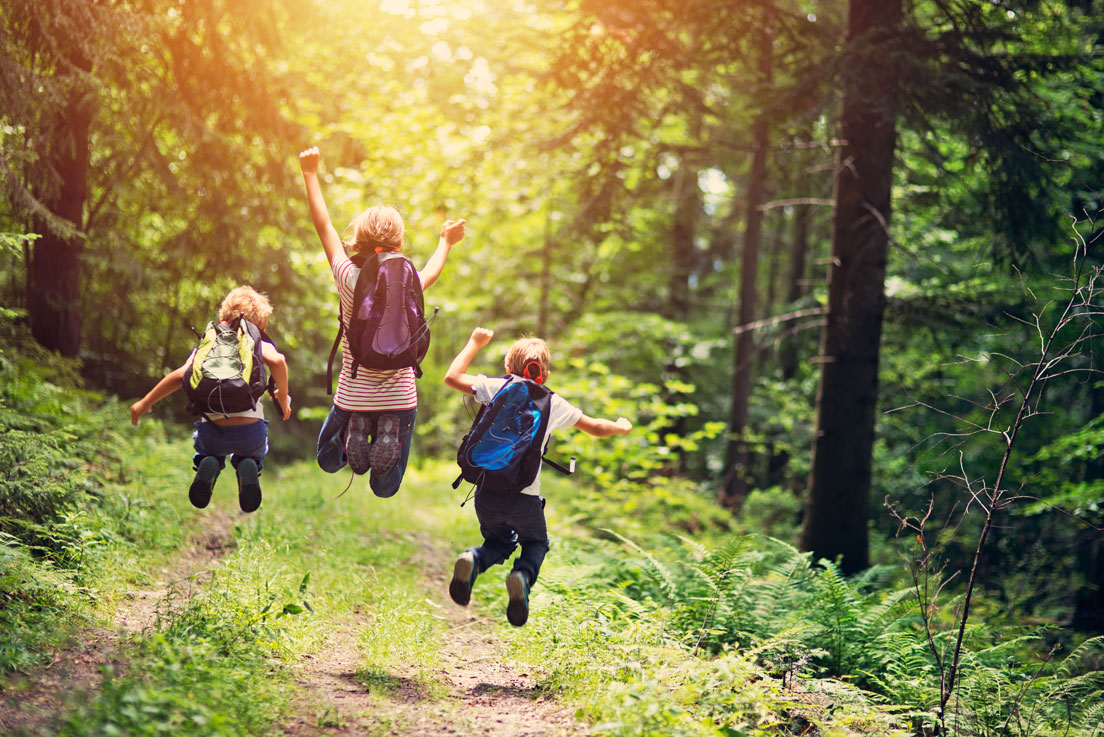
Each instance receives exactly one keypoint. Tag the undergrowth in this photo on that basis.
(751, 638)
(655, 613)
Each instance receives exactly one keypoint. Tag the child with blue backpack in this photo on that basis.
(508, 503)
(383, 336)
(224, 379)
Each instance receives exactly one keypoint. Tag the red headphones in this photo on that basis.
(533, 372)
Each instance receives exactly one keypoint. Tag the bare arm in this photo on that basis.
(277, 366)
(603, 428)
(168, 384)
(320, 216)
(457, 376)
(452, 232)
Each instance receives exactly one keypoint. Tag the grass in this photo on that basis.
(306, 564)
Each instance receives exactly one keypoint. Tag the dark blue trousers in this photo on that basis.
(506, 521)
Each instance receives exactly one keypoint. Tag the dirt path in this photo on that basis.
(471, 692)
(28, 703)
(482, 694)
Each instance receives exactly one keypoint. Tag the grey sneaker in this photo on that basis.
(463, 578)
(249, 488)
(517, 587)
(385, 448)
(358, 443)
(199, 493)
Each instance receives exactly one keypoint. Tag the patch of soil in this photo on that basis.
(29, 701)
(484, 694)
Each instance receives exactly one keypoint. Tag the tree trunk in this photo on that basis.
(735, 487)
(839, 483)
(53, 283)
(799, 256)
(687, 204)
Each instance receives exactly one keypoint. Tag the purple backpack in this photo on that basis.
(388, 328)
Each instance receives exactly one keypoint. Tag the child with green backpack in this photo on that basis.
(502, 455)
(224, 379)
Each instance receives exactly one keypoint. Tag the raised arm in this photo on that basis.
(320, 216)
(277, 366)
(452, 232)
(457, 375)
(603, 428)
(168, 384)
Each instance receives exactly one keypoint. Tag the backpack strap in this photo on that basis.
(369, 269)
(558, 467)
(271, 386)
(333, 352)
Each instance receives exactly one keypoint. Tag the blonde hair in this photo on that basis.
(380, 227)
(525, 350)
(249, 302)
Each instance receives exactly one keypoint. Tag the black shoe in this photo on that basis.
(199, 494)
(249, 488)
(517, 587)
(385, 448)
(358, 443)
(463, 578)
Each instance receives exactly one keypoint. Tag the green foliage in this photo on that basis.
(36, 599)
(763, 599)
(64, 536)
(180, 686)
(655, 444)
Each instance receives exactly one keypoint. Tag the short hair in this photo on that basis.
(525, 350)
(379, 227)
(249, 302)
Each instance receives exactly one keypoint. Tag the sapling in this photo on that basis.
(1057, 348)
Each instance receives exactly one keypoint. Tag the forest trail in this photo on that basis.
(77, 670)
(482, 694)
(472, 690)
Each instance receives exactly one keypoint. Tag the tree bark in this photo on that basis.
(836, 513)
(735, 488)
(687, 204)
(799, 255)
(54, 279)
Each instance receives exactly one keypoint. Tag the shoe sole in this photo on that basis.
(517, 611)
(358, 444)
(249, 488)
(460, 586)
(199, 493)
(385, 450)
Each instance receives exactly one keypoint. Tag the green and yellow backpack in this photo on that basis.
(226, 373)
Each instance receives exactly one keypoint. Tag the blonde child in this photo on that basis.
(372, 420)
(241, 435)
(509, 519)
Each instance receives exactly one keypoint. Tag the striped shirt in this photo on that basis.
(373, 390)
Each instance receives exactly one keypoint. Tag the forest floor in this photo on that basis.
(483, 694)
(74, 671)
(474, 690)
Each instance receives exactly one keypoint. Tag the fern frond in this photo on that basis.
(667, 583)
(1077, 656)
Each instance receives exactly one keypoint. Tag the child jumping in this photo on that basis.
(241, 435)
(372, 420)
(509, 518)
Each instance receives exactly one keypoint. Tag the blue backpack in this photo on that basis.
(505, 446)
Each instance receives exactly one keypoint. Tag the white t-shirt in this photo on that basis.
(562, 413)
(373, 390)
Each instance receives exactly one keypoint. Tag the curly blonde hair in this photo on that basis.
(246, 301)
(525, 350)
(377, 228)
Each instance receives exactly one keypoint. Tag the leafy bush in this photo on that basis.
(765, 599)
